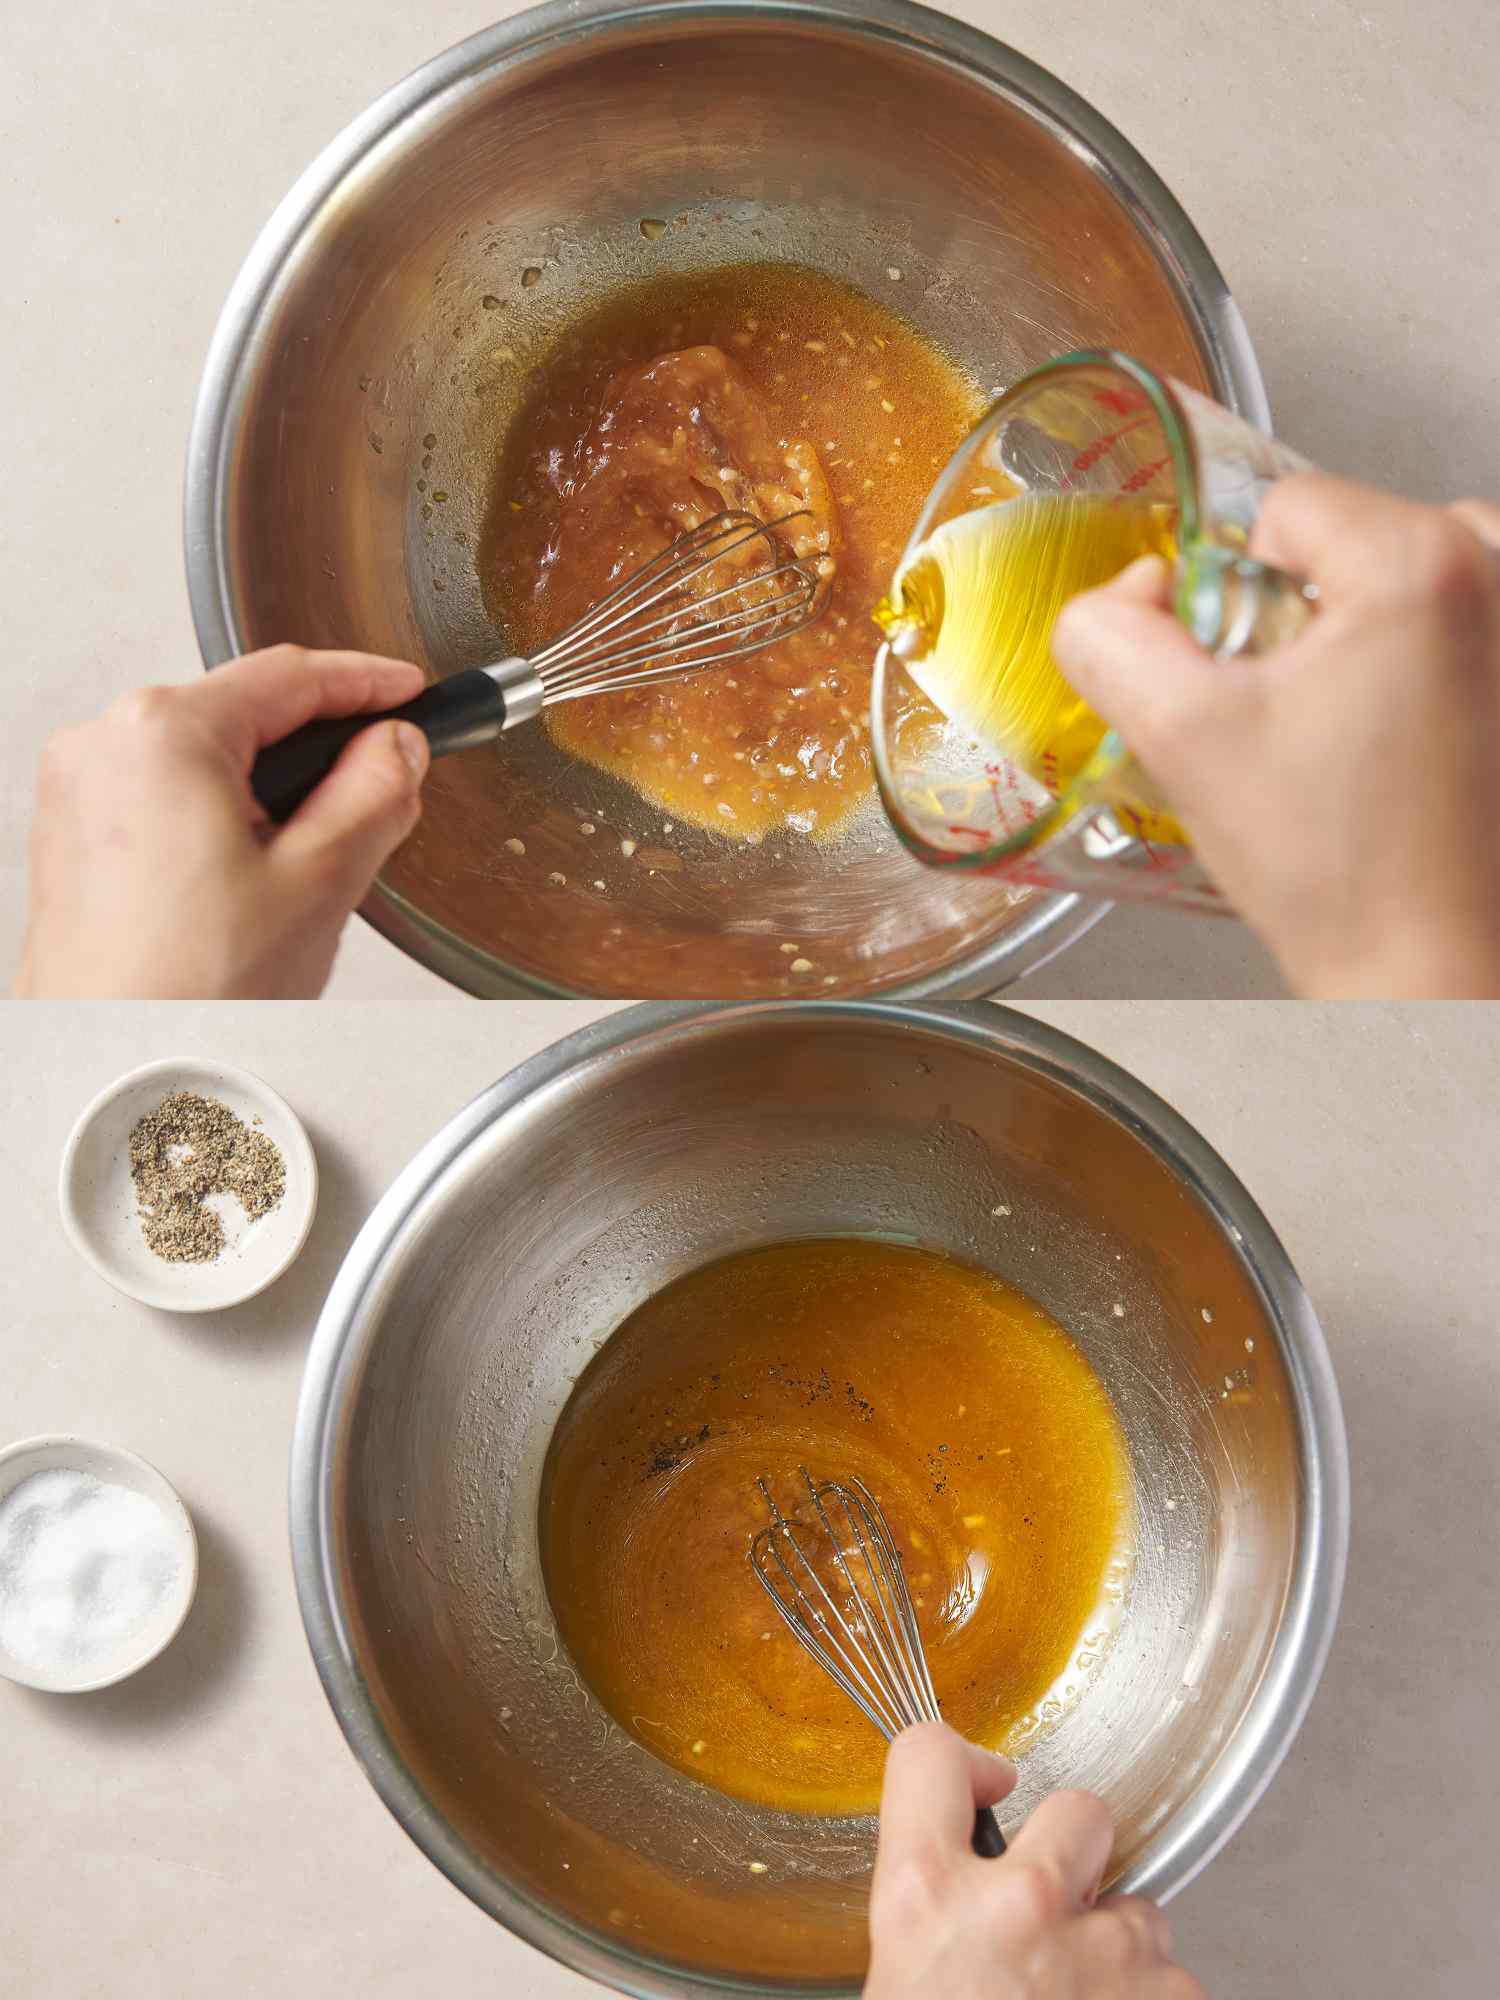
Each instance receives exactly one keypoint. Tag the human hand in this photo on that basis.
(1343, 789)
(1025, 1927)
(154, 873)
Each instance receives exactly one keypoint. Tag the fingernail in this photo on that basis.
(412, 745)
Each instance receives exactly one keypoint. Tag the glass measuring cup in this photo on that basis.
(1099, 424)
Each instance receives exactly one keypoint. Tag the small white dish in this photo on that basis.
(101, 1214)
(109, 1463)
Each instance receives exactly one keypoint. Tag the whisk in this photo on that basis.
(840, 1587)
(689, 608)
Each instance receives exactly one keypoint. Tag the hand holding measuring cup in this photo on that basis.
(1083, 464)
(1345, 791)
(1337, 790)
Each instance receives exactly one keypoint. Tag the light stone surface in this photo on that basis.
(1339, 159)
(202, 1829)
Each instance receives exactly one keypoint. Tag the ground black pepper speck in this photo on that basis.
(188, 1148)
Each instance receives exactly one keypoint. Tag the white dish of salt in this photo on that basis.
(98, 1564)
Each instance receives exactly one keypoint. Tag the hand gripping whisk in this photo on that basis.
(838, 1583)
(725, 588)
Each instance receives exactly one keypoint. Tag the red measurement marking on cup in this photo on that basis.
(1143, 477)
(1030, 872)
(1121, 400)
(1005, 792)
(1089, 457)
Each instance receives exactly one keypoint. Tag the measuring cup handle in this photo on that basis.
(1236, 607)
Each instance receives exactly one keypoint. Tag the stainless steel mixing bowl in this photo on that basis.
(656, 1140)
(379, 338)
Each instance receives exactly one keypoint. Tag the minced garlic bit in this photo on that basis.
(758, 1868)
(802, 965)
(515, 846)
(557, 879)
(627, 848)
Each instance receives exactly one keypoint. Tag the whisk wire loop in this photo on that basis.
(613, 644)
(869, 1643)
(815, 1620)
(882, 1601)
(728, 636)
(846, 1603)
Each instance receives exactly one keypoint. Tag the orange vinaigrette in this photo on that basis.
(763, 386)
(988, 1440)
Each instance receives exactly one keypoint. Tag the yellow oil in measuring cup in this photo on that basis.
(971, 613)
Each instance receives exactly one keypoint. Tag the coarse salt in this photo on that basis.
(86, 1567)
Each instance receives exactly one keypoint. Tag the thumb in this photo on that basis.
(933, 1782)
(359, 815)
(1126, 654)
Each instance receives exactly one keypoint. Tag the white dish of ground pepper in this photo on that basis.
(98, 1564)
(189, 1185)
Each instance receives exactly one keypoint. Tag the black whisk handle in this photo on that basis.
(989, 1841)
(455, 714)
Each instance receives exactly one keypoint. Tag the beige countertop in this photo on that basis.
(1334, 157)
(202, 1829)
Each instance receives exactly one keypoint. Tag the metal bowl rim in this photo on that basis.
(1054, 921)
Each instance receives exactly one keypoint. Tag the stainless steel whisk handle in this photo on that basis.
(455, 714)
